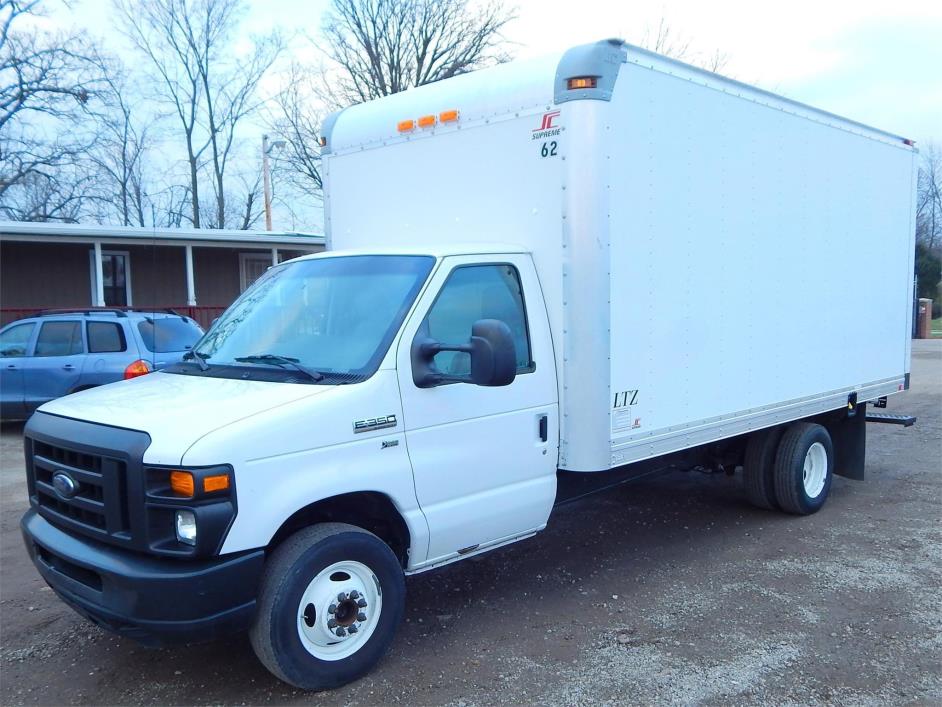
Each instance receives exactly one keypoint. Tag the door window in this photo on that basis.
(115, 277)
(472, 293)
(59, 339)
(105, 337)
(15, 340)
(252, 266)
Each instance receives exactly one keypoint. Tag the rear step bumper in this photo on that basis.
(890, 419)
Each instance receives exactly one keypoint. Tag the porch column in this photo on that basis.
(99, 277)
(274, 256)
(190, 283)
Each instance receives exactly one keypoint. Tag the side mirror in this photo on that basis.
(492, 351)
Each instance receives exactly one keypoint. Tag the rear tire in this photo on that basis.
(327, 578)
(758, 469)
(804, 465)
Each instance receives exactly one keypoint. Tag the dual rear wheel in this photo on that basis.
(789, 468)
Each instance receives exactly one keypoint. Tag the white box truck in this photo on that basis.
(542, 278)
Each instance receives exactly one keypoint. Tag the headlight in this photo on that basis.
(185, 522)
(189, 510)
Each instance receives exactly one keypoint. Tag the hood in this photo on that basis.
(177, 410)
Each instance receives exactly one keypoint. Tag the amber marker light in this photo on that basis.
(219, 482)
(426, 121)
(582, 82)
(448, 116)
(405, 126)
(181, 482)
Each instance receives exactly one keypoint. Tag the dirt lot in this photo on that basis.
(668, 590)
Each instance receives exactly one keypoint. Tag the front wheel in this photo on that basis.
(331, 600)
(804, 464)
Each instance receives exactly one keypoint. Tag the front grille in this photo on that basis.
(98, 507)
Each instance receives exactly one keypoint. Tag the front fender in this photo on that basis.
(307, 451)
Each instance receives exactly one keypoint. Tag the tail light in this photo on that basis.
(138, 368)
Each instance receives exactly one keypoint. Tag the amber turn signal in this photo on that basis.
(181, 482)
(219, 482)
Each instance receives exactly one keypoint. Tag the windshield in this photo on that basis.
(331, 315)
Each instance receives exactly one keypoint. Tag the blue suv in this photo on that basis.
(58, 352)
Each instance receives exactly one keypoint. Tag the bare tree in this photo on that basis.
(124, 138)
(665, 40)
(210, 89)
(381, 47)
(929, 199)
(295, 115)
(49, 89)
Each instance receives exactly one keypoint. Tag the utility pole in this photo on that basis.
(267, 147)
(266, 179)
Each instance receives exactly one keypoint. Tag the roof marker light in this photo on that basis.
(448, 116)
(427, 121)
(582, 82)
(405, 126)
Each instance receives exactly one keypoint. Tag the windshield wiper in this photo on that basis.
(282, 361)
(198, 357)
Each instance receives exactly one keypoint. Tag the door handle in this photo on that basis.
(544, 428)
(68, 367)
(11, 367)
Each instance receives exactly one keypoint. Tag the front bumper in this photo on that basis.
(156, 601)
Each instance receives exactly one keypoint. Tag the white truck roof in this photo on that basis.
(494, 92)
(436, 250)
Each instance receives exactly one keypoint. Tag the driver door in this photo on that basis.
(484, 458)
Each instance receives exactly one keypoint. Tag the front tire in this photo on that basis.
(331, 599)
(804, 465)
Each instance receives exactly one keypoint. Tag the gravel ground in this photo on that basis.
(669, 590)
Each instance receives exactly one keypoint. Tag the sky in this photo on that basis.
(878, 63)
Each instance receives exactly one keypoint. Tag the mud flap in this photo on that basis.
(849, 437)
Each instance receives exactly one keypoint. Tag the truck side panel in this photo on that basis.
(760, 262)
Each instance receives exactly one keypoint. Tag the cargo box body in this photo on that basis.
(713, 258)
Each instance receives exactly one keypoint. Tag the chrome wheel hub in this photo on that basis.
(339, 610)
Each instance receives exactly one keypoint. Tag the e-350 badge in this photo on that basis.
(374, 423)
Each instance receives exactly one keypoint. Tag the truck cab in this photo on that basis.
(411, 394)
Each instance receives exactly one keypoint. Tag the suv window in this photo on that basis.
(15, 340)
(59, 339)
(169, 334)
(105, 337)
(472, 293)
